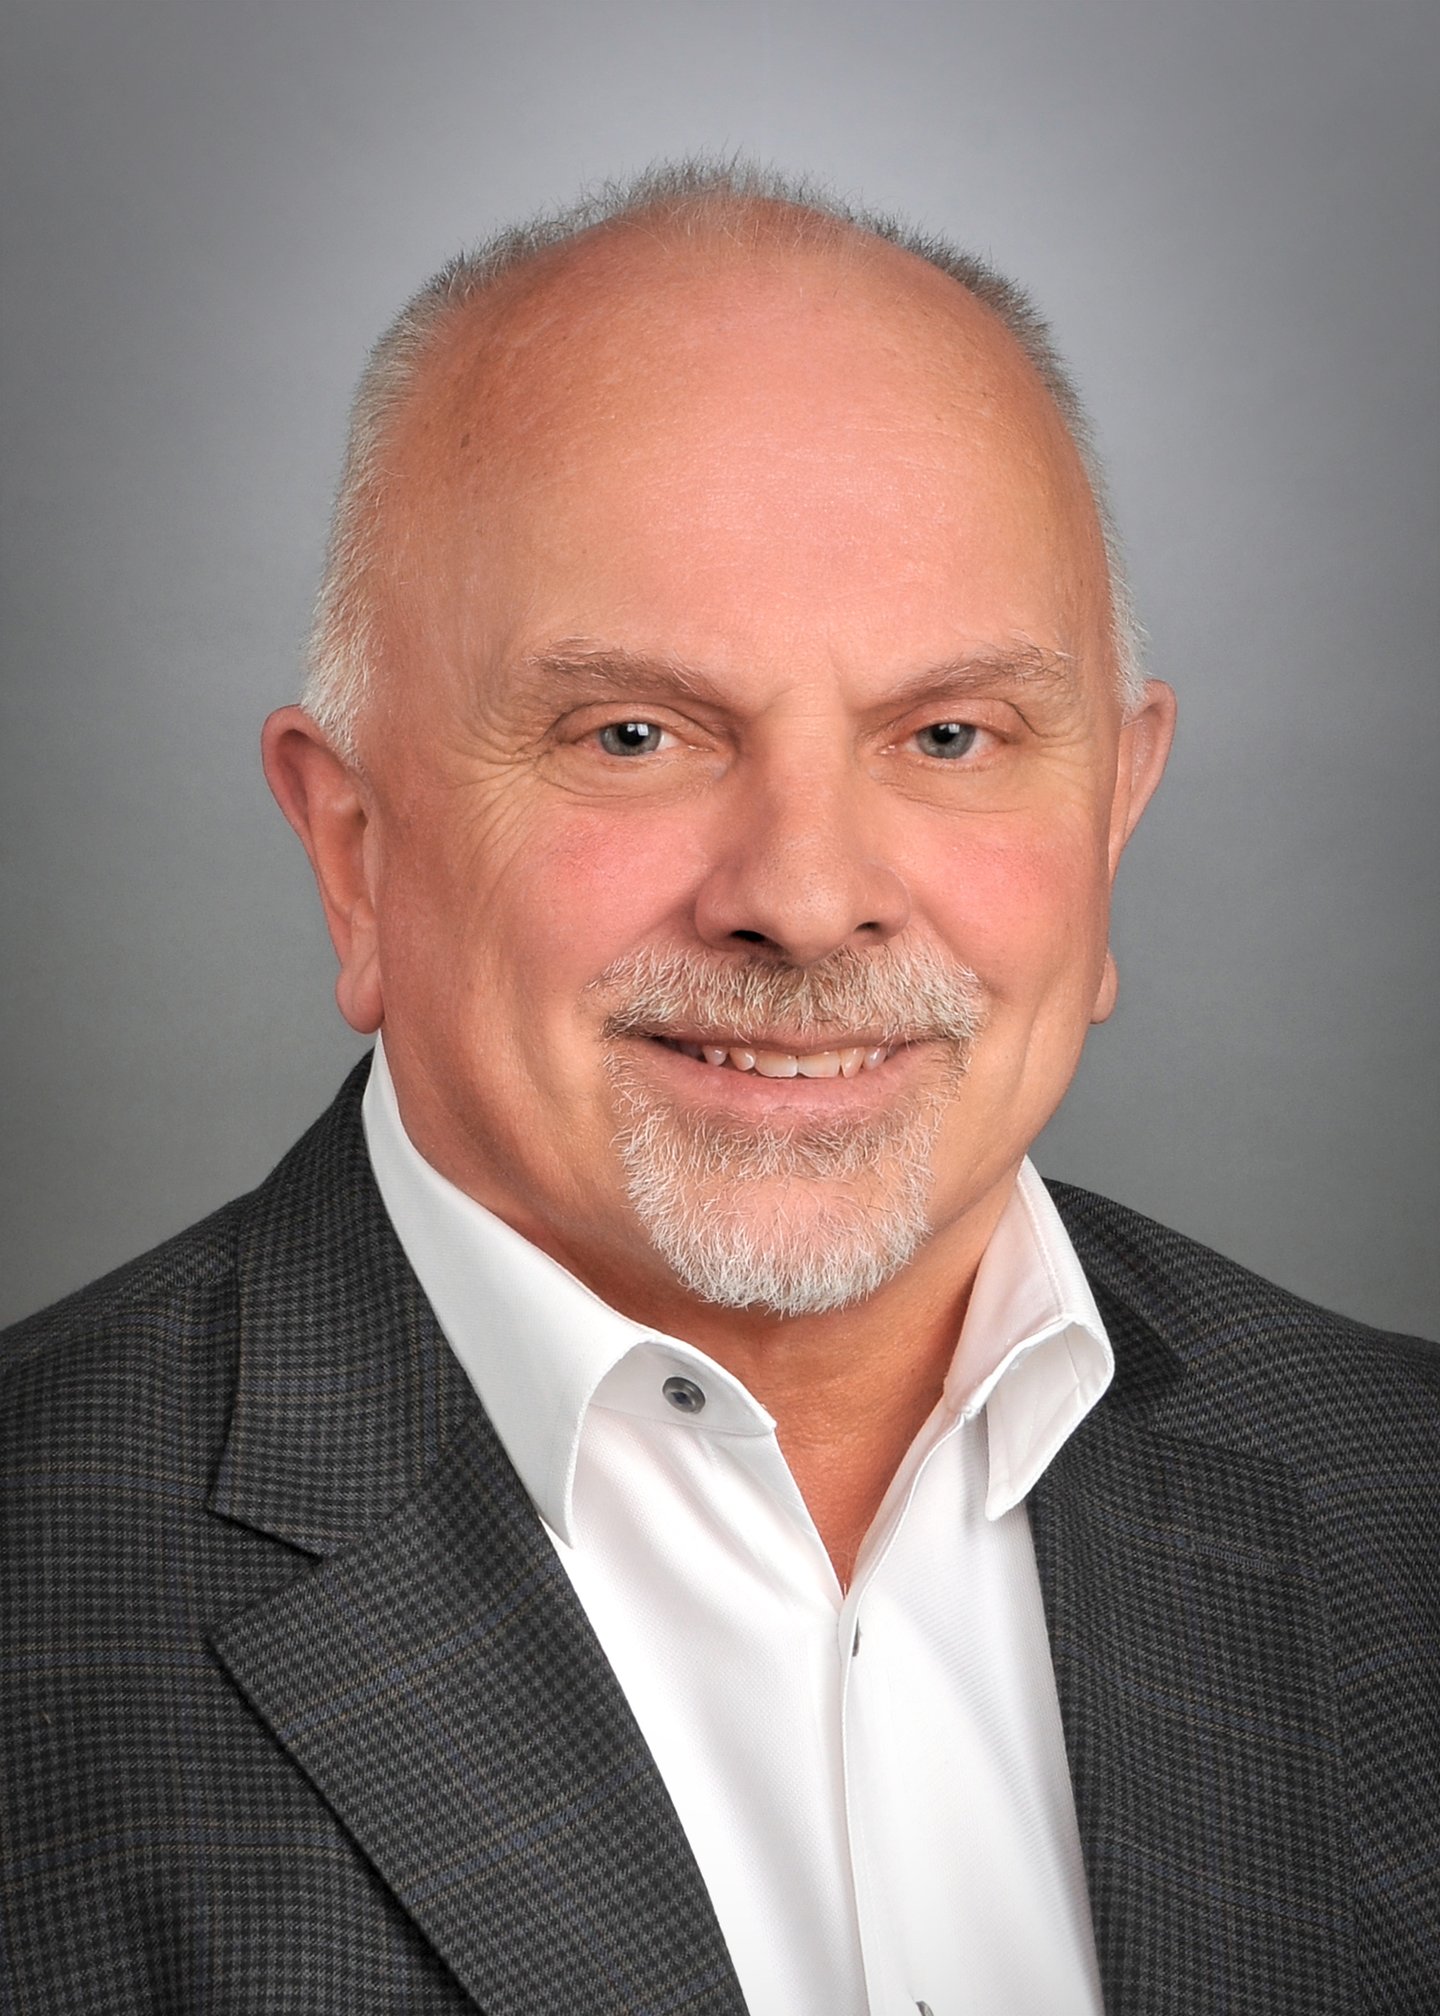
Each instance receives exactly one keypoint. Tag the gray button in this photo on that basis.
(684, 1394)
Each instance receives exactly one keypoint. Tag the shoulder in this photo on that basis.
(169, 1321)
(1211, 1310)
(1215, 1355)
(123, 1366)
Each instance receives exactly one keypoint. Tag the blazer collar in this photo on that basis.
(347, 1394)
(1163, 1285)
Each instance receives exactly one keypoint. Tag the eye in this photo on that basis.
(947, 738)
(630, 738)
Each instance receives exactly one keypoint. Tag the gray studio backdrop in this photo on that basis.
(1228, 206)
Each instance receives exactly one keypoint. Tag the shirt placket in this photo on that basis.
(868, 1702)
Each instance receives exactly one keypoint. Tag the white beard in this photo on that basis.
(752, 1218)
(796, 1219)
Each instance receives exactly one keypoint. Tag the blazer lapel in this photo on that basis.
(1196, 1690)
(435, 1676)
(440, 1687)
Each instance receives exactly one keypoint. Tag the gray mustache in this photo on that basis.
(909, 996)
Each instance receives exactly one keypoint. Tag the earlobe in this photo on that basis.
(1108, 990)
(325, 800)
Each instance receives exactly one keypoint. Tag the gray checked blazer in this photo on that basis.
(302, 1718)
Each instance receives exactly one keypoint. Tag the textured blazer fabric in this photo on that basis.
(300, 1712)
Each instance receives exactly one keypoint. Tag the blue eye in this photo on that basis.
(630, 738)
(947, 738)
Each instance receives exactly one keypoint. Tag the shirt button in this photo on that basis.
(684, 1394)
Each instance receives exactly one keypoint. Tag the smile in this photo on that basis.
(845, 1062)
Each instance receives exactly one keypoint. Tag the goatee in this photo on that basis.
(796, 1218)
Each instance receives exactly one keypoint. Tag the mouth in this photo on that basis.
(773, 1058)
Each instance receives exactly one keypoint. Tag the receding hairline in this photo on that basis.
(725, 210)
(491, 333)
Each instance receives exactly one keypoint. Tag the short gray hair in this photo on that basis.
(730, 200)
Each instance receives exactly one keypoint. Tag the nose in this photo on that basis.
(796, 872)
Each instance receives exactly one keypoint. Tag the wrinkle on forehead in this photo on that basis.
(717, 363)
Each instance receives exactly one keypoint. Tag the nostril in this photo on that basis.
(751, 937)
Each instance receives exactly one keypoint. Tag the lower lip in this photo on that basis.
(722, 1085)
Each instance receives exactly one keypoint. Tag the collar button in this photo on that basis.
(684, 1395)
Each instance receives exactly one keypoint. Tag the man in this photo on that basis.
(653, 1506)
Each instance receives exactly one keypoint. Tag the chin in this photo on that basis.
(798, 1223)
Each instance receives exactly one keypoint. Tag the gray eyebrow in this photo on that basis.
(1023, 665)
(602, 665)
(1027, 666)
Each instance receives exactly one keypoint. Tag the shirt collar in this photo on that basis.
(1033, 1350)
(536, 1343)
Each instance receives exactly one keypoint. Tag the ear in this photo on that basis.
(1146, 735)
(325, 799)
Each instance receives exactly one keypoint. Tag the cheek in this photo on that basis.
(582, 888)
(1027, 909)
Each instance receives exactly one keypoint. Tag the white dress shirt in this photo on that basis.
(873, 1781)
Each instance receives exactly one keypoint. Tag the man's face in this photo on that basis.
(746, 698)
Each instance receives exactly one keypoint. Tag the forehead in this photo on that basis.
(620, 326)
(779, 435)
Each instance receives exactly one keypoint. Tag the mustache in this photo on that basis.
(895, 996)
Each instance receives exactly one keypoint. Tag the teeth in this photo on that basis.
(787, 1063)
(847, 1063)
(823, 1064)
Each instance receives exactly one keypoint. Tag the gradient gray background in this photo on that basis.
(1228, 209)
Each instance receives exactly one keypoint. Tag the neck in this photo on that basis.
(849, 1390)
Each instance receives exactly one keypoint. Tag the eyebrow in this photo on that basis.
(581, 665)
(1022, 665)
